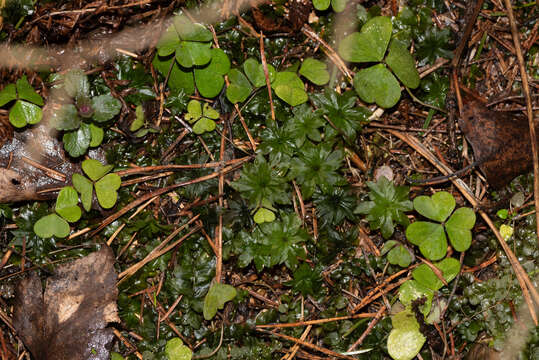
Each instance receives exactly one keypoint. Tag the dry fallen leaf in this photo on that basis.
(69, 321)
(500, 141)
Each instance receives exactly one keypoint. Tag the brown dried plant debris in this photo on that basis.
(69, 320)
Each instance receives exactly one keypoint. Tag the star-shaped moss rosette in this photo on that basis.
(202, 116)
(66, 208)
(431, 237)
(105, 184)
(377, 83)
(26, 109)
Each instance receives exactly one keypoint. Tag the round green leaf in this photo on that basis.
(263, 215)
(105, 107)
(203, 125)
(339, 5)
(402, 63)
(405, 340)
(411, 290)
(239, 88)
(190, 53)
(66, 204)
(66, 118)
(94, 169)
(216, 298)
(179, 79)
(51, 225)
(370, 44)
(399, 255)
(85, 188)
(255, 72)
(315, 71)
(23, 113)
(424, 275)
(429, 237)
(289, 87)
(321, 4)
(97, 135)
(77, 142)
(26, 91)
(437, 207)
(176, 350)
(458, 228)
(377, 84)
(8, 94)
(105, 189)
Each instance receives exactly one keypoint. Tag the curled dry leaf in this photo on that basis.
(500, 141)
(69, 320)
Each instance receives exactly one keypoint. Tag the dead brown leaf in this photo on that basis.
(69, 320)
(500, 141)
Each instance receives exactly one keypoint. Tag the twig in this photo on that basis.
(529, 110)
(318, 321)
(266, 74)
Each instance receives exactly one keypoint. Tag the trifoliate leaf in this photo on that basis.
(255, 72)
(94, 169)
(436, 207)
(429, 237)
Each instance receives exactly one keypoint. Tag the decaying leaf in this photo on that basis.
(500, 141)
(69, 320)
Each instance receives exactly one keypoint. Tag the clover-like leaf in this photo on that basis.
(105, 189)
(377, 84)
(190, 53)
(263, 215)
(437, 207)
(94, 169)
(85, 188)
(216, 298)
(315, 71)
(105, 107)
(97, 134)
(239, 88)
(424, 275)
(176, 350)
(429, 237)
(387, 206)
(458, 228)
(411, 290)
(51, 225)
(255, 72)
(76, 142)
(405, 340)
(209, 79)
(370, 44)
(23, 113)
(66, 204)
(402, 63)
(204, 125)
(25, 91)
(289, 87)
(9, 93)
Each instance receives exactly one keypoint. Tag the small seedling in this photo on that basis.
(26, 109)
(203, 117)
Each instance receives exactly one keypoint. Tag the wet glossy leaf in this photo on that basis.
(216, 298)
(424, 275)
(459, 227)
(436, 207)
(305, 124)
(433, 44)
(405, 340)
(51, 225)
(315, 71)
(190, 53)
(377, 84)
(306, 280)
(105, 189)
(289, 87)
(23, 113)
(85, 188)
(66, 204)
(97, 134)
(402, 64)
(76, 142)
(26, 92)
(105, 107)
(176, 350)
(370, 43)
(94, 169)
(255, 72)
(8, 94)
(429, 237)
(239, 89)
